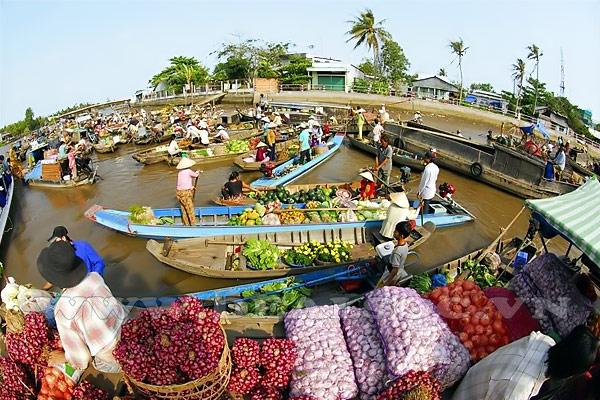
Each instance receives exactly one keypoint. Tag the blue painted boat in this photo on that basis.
(213, 222)
(283, 180)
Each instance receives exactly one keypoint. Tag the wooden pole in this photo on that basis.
(495, 242)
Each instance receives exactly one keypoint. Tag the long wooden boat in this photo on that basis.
(580, 169)
(152, 156)
(213, 221)
(400, 157)
(217, 258)
(219, 154)
(33, 178)
(282, 180)
(4, 211)
(100, 148)
(496, 165)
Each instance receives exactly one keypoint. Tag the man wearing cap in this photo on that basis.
(428, 185)
(304, 139)
(185, 190)
(383, 161)
(88, 317)
(367, 186)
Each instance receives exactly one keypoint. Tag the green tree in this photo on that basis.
(518, 74)
(233, 68)
(394, 63)
(181, 71)
(442, 72)
(251, 58)
(365, 30)
(368, 68)
(534, 54)
(29, 119)
(295, 71)
(487, 87)
(458, 47)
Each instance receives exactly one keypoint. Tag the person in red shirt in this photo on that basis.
(367, 186)
(262, 152)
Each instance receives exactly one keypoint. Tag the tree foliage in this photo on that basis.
(518, 74)
(458, 47)
(486, 87)
(26, 125)
(365, 30)
(394, 63)
(368, 68)
(181, 71)
(295, 70)
(442, 72)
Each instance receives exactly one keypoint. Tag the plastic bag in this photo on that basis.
(33, 300)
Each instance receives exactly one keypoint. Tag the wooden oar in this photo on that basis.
(495, 242)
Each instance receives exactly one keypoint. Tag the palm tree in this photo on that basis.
(518, 74)
(534, 54)
(458, 48)
(442, 72)
(365, 30)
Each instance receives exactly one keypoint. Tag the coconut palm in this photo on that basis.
(366, 31)
(518, 74)
(458, 48)
(534, 54)
(442, 72)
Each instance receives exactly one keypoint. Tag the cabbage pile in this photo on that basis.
(546, 288)
(323, 368)
(415, 337)
(366, 350)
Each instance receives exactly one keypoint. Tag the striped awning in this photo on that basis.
(576, 216)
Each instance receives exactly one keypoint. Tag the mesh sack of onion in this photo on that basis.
(177, 352)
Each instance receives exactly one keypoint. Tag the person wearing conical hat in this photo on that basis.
(360, 122)
(185, 190)
(398, 211)
(262, 152)
(367, 186)
(222, 135)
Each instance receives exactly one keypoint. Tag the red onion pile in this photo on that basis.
(174, 345)
(262, 372)
(366, 350)
(87, 391)
(15, 382)
(412, 385)
(415, 337)
(324, 367)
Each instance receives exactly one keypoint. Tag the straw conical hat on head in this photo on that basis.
(399, 199)
(261, 144)
(367, 175)
(185, 163)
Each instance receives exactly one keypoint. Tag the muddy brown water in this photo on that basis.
(132, 271)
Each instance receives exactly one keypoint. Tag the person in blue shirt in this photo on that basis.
(304, 139)
(83, 250)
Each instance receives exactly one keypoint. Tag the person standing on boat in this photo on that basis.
(271, 139)
(428, 184)
(317, 132)
(360, 122)
(304, 139)
(186, 189)
(62, 156)
(377, 132)
(383, 161)
(398, 257)
(560, 161)
(234, 187)
(258, 113)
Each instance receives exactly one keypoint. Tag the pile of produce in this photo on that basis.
(262, 372)
(31, 346)
(87, 391)
(480, 273)
(173, 345)
(594, 324)
(368, 210)
(144, 215)
(56, 385)
(414, 385)
(324, 367)
(471, 316)
(237, 146)
(415, 337)
(285, 170)
(545, 287)
(292, 217)
(318, 194)
(15, 381)
(273, 299)
(261, 254)
(199, 153)
(421, 283)
(253, 142)
(249, 217)
(366, 350)
(337, 251)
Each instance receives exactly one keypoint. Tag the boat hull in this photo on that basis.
(397, 159)
(4, 211)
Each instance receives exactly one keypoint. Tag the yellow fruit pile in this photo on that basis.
(292, 217)
(250, 217)
(313, 204)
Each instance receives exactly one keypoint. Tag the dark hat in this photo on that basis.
(429, 155)
(59, 265)
(59, 231)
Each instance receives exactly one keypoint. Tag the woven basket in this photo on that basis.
(209, 387)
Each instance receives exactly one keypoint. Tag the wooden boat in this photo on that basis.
(580, 169)
(216, 153)
(496, 165)
(215, 257)
(152, 156)
(100, 148)
(4, 211)
(280, 150)
(265, 182)
(400, 157)
(33, 178)
(212, 221)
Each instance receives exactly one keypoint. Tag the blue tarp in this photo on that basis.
(35, 173)
(539, 128)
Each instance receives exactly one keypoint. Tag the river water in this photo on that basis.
(132, 271)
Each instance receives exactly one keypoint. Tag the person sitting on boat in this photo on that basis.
(304, 139)
(368, 188)
(262, 153)
(234, 187)
(559, 161)
(398, 257)
(398, 211)
(185, 190)
(532, 148)
(428, 185)
(203, 124)
(383, 160)
(326, 128)
(459, 133)
(277, 119)
(417, 117)
(88, 317)
(266, 124)
(377, 131)
(221, 135)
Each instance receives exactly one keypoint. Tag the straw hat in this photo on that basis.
(261, 144)
(361, 110)
(186, 163)
(303, 125)
(220, 127)
(399, 199)
(367, 175)
(265, 119)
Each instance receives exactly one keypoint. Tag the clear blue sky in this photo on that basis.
(57, 53)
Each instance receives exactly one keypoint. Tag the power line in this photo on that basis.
(562, 74)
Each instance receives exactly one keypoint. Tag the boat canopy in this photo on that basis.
(574, 216)
(538, 128)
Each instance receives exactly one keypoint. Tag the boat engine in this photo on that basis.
(404, 174)
(267, 169)
(447, 190)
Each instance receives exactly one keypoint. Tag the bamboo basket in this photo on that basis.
(209, 387)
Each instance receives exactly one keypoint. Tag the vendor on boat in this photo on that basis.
(428, 185)
(262, 153)
(398, 211)
(383, 160)
(398, 257)
(360, 122)
(368, 188)
(173, 148)
(186, 189)
(271, 138)
(234, 187)
(377, 132)
(62, 156)
(277, 119)
(333, 120)
(559, 161)
(316, 132)
(88, 316)
(304, 139)
(266, 124)
(222, 135)
(384, 116)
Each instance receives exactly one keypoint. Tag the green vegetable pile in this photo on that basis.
(140, 214)
(237, 146)
(261, 254)
(421, 283)
(480, 273)
(266, 303)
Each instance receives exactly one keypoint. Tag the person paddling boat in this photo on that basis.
(186, 190)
